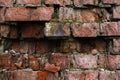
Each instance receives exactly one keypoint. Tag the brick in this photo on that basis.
(80, 75)
(23, 47)
(109, 61)
(90, 15)
(116, 45)
(32, 31)
(109, 1)
(58, 2)
(17, 14)
(108, 75)
(85, 29)
(31, 47)
(22, 75)
(104, 14)
(42, 14)
(4, 30)
(99, 45)
(2, 10)
(66, 13)
(70, 46)
(42, 47)
(13, 32)
(46, 76)
(60, 60)
(109, 29)
(16, 46)
(51, 68)
(27, 2)
(116, 12)
(5, 60)
(85, 61)
(57, 30)
(84, 2)
(6, 2)
(34, 63)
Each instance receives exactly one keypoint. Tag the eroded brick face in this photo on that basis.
(26, 2)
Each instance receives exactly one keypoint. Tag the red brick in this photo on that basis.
(85, 29)
(51, 68)
(116, 12)
(17, 14)
(42, 47)
(32, 31)
(84, 2)
(80, 75)
(16, 46)
(109, 61)
(70, 46)
(108, 75)
(89, 15)
(85, 61)
(5, 60)
(34, 63)
(116, 45)
(46, 76)
(59, 2)
(109, 1)
(60, 60)
(22, 75)
(2, 10)
(42, 14)
(57, 30)
(23, 47)
(31, 47)
(4, 30)
(109, 29)
(13, 32)
(26, 2)
(66, 13)
(6, 2)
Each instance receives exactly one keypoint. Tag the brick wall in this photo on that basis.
(59, 40)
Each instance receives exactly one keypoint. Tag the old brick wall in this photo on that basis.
(59, 40)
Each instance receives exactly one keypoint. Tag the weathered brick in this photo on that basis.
(80, 75)
(26, 2)
(109, 61)
(85, 29)
(5, 60)
(116, 45)
(58, 2)
(46, 76)
(27, 14)
(32, 31)
(17, 14)
(116, 12)
(16, 46)
(42, 14)
(51, 68)
(57, 30)
(6, 2)
(34, 63)
(70, 46)
(23, 47)
(4, 30)
(108, 1)
(108, 75)
(84, 2)
(42, 47)
(13, 32)
(109, 29)
(85, 61)
(60, 60)
(89, 15)
(66, 13)
(2, 10)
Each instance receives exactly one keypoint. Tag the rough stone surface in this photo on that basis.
(26, 2)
